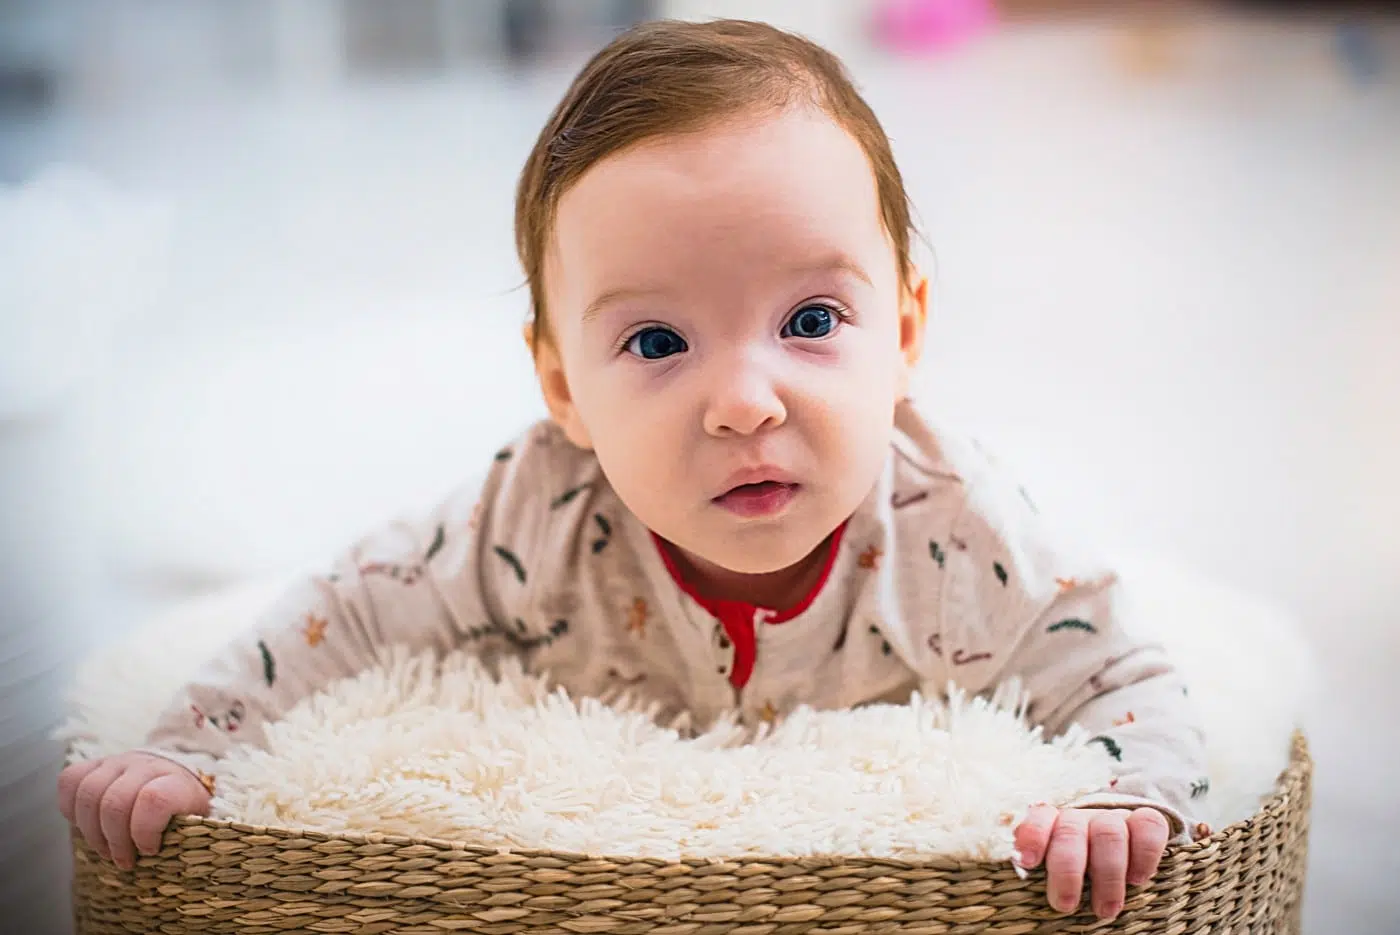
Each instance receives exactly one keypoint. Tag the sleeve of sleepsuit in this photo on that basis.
(1018, 604)
(425, 583)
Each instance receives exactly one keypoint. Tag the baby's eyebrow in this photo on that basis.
(836, 263)
(595, 308)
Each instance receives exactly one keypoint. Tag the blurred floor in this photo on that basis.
(1166, 285)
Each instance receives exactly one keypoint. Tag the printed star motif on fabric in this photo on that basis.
(870, 558)
(314, 630)
(637, 617)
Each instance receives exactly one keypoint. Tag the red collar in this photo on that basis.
(725, 608)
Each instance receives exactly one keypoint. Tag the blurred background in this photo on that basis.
(258, 292)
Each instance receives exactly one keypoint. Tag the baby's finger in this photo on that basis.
(1033, 834)
(88, 805)
(160, 800)
(1108, 862)
(1066, 860)
(68, 782)
(1148, 832)
(115, 817)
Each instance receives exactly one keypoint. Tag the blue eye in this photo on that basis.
(656, 343)
(810, 321)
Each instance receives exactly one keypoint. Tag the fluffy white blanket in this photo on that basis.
(438, 749)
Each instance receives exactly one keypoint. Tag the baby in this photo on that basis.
(733, 505)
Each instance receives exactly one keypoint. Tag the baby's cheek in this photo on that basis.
(654, 483)
(857, 437)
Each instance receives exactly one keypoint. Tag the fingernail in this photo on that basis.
(1111, 910)
(1026, 859)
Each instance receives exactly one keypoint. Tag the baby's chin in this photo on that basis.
(758, 549)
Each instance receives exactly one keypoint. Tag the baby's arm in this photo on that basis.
(414, 584)
(1080, 666)
(1017, 605)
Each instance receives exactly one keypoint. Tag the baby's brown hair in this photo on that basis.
(671, 77)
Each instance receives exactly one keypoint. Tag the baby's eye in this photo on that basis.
(810, 321)
(655, 343)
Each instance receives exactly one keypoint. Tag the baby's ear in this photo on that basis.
(554, 384)
(913, 319)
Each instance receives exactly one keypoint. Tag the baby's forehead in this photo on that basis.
(790, 182)
(751, 142)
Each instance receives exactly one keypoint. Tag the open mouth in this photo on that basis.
(763, 498)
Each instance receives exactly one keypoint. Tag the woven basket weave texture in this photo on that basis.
(218, 876)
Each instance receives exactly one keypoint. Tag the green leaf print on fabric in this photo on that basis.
(518, 636)
(605, 530)
(885, 647)
(269, 665)
(510, 559)
(1111, 745)
(1001, 572)
(1073, 623)
(938, 554)
(439, 539)
(504, 454)
(568, 496)
(1200, 787)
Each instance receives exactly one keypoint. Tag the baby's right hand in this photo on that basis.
(122, 803)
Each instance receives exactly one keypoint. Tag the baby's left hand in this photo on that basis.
(1115, 845)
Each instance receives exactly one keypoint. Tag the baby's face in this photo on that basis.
(733, 333)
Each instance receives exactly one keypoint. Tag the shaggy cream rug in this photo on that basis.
(436, 748)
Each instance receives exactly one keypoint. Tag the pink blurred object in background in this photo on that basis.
(930, 25)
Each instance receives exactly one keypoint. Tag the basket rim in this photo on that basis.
(1288, 785)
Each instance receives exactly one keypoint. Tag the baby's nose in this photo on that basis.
(744, 400)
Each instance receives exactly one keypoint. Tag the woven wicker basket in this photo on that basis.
(218, 876)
